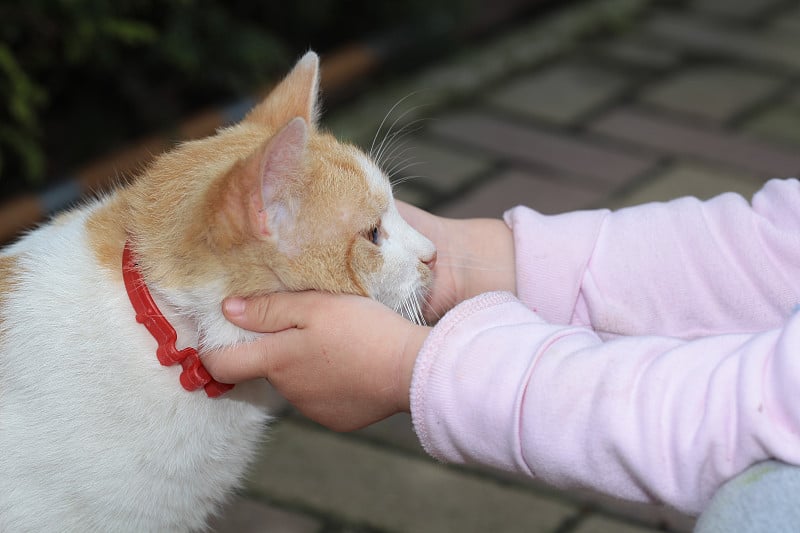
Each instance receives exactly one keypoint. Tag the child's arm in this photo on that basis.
(685, 268)
(652, 419)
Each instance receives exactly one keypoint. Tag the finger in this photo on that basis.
(250, 360)
(270, 313)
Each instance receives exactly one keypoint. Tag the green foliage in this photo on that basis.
(18, 131)
(79, 77)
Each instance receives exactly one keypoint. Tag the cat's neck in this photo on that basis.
(196, 314)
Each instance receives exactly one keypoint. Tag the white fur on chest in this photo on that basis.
(95, 435)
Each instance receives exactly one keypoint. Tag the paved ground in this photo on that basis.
(602, 104)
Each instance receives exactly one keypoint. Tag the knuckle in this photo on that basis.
(264, 310)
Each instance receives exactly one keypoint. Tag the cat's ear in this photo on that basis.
(280, 171)
(295, 96)
(257, 198)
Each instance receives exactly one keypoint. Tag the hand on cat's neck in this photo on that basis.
(313, 359)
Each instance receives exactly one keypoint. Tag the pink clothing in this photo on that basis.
(653, 352)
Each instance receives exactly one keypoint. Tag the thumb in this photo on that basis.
(242, 362)
(269, 313)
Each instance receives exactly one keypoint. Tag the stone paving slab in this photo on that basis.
(688, 179)
(369, 485)
(549, 195)
(442, 168)
(396, 431)
(787, 25)
(641, 53)
(678, 138)
(526, 144)
(247, 516)
(705, 91)
(779, 122)
(560, 94)
(599, 524)
(692, 33)
(745, 10)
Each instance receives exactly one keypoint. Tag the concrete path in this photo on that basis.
(601, 104)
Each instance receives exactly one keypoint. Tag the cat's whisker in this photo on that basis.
(394, 181)
(408, 300)
(421, 318)
(446, 302)
(407, 310)
(400, 181)
(388, 114)
(390, 154)
(391, 137)
(408, 177)
(376, 154)
(407, 166)
(392, 171)
(401, 307)
(407, 129)
(400, 158)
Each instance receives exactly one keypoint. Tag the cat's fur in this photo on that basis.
(95, 435)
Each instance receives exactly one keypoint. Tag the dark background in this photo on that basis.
(81, 78)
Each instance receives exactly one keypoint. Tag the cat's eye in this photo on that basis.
(373, 235)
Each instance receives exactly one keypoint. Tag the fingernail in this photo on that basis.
(234, 306)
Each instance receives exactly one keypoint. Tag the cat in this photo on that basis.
(97, 435)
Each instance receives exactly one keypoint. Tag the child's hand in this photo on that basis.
(343, 361)
(474, 256)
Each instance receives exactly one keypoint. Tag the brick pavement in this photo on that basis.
(670, 98)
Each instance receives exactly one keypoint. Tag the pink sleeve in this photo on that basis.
(685, 268)
(644, 418)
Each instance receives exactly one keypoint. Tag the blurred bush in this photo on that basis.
(78, 77)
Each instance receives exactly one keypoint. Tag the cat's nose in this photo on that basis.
(430, 261)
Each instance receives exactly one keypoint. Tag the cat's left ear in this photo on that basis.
(279, 175)
(257, 198)
(296, 95)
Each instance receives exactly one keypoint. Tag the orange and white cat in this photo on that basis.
(95, 434)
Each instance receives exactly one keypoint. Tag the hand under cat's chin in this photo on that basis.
(344, 361)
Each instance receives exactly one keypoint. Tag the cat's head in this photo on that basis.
(273, 203)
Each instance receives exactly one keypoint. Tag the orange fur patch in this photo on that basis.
(106, 233)
(9, 278)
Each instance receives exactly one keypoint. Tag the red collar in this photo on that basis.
(194, 375)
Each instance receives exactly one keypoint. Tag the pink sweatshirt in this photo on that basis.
(651, 353)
